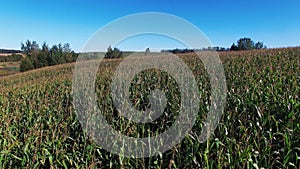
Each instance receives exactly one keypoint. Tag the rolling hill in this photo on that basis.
(260, 126)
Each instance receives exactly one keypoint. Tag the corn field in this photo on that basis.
(259, 128)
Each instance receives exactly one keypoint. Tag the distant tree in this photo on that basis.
(245, 44)
(74, 56)
(113, 53)
(40, 60)
(67, 48)
(234, 47)
(175, 51)
(26, 64)
(224, 49)
(117, 53)
(259, 45)
(56, 55)
(61, 54)
(30, 47)
(26, 47)
(69, 57)
(218, 48)
(37, 58)
(109, 52)
(45, 48)
(34, 47)
(147, 51)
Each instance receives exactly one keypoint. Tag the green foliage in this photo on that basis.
(259, 45)
(26, 64)
(11, 58)
(260, 126)
(46, 56)
(29, 47)
(234, 47)
(246, 44)
(113, 53)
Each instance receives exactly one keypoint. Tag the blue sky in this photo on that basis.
(276, 23)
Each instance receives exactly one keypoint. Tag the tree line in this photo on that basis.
(247, 44)
(11, 58)
(37, 57)
(9, 51)
(242, 44)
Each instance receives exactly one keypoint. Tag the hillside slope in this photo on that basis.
(260, 125)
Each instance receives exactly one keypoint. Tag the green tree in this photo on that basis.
(41, 60)
(67, 53)
(259, 45)
(117, 53)
(66, 48)
(26, 64)
(245, 44)
(234, 47)
(30, 47)
(37, 58)
(113, 53)
(26, 47)
(109, 52)
(53, 58)
(45, 48)
(34, 48)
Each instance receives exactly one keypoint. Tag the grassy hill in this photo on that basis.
(260, 126)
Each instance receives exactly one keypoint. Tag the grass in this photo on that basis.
(9, 68)
(260, 126)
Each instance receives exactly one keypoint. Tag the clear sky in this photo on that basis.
(276, 23)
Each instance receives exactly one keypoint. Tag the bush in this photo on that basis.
(26, 65)
(113, 53)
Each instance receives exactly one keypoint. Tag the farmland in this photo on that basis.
(10, 63)
(260, 126)
(9, 68)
